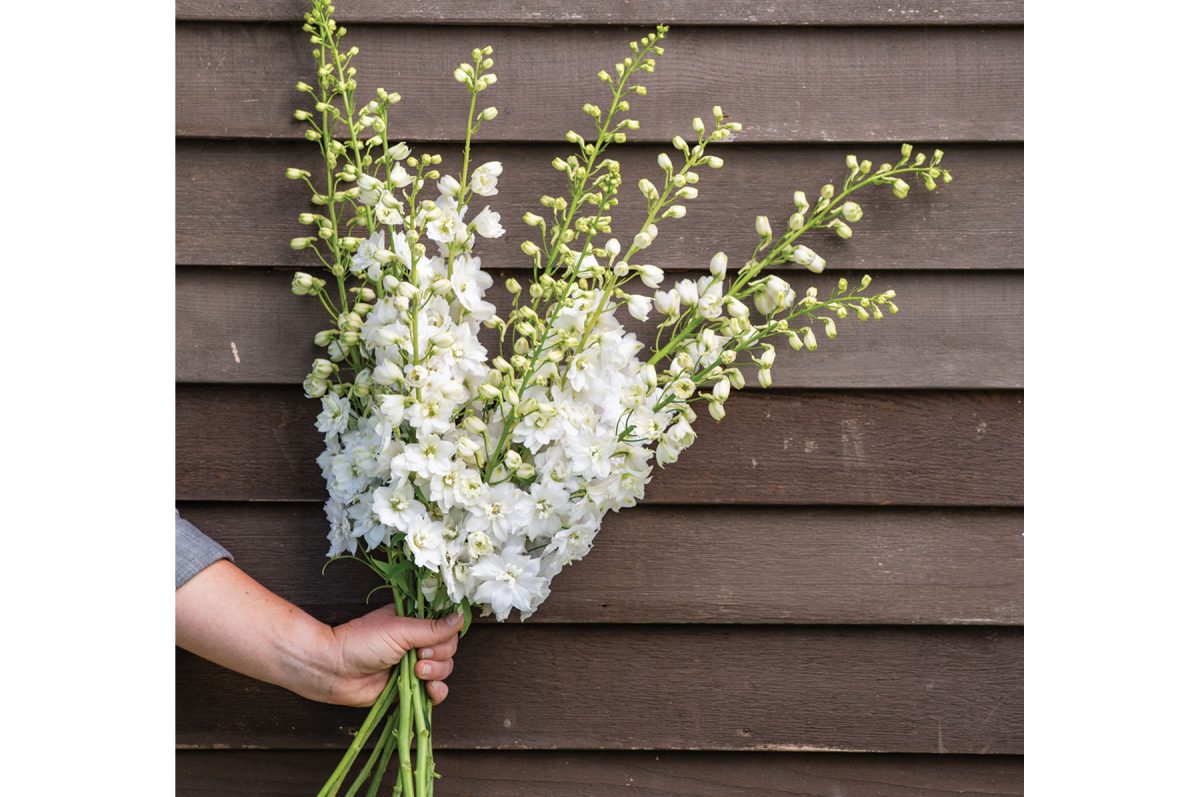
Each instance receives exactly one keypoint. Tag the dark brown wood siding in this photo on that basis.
(841, 610)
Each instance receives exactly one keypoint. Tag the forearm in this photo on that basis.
(227, 617)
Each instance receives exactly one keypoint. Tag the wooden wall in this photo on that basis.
(825, 595)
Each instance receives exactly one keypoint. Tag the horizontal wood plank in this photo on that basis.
(783, 83)
(246, 443)
(954, 330)
(827, 565)
(529, 773)
(867, 689)
(623, 12)
(234, 207)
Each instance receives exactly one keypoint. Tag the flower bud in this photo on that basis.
(529, 248)
(292, 173)
(720, 390)
(324, 337)
(664, 161)
(679, 144)
(467, 448)
(675, 212)
(302, 283)
(489, 391)
(762, 225)
(524, 471)
(473, 424)
(714, 162)
(315, 388)
(301, 243)
(866, 282)
(716, 409)
(852, 211)
(796, 222)
(905, 150)
(842, 228)
(322, 369)
(512, 286)
(851, 162)
(718, 265)
(900, 188)
(830, 328)
(764, 377)
(490, 113)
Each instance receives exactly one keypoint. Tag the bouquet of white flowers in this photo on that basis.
(469, 478)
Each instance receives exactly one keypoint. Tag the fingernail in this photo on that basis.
(453, 620)
(426, 669)
(427, 653)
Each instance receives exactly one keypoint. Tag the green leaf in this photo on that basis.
(465, 608)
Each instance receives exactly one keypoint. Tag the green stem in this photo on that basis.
(424, 752)
(405, 727)
(383, 748)
(360, 739)
(381, 769)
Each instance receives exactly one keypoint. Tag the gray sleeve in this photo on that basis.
(193, 551)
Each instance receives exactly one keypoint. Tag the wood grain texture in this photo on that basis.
(234, 207)
(954, 330)
(528, 773)
(657, 564)
(623, 12)
(830, 689)
(784, 84)
(247, 443)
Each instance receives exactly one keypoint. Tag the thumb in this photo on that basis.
(415, 633)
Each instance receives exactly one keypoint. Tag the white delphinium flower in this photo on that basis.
(509, 580)
(504, 510)
(711, 297)
(341, 539)
(447, 226)
(487, 224)
(485, 177)
(400, 176)
(639, 307)
(365, 523)
(668, 303)
(469, 282)
(395, 504)
(425, 540)
(334, 417)
(428, 457)
(370, 256)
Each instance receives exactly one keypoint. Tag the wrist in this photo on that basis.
(308, 661)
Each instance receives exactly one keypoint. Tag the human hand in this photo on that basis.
(227, 617)
(364, 650)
